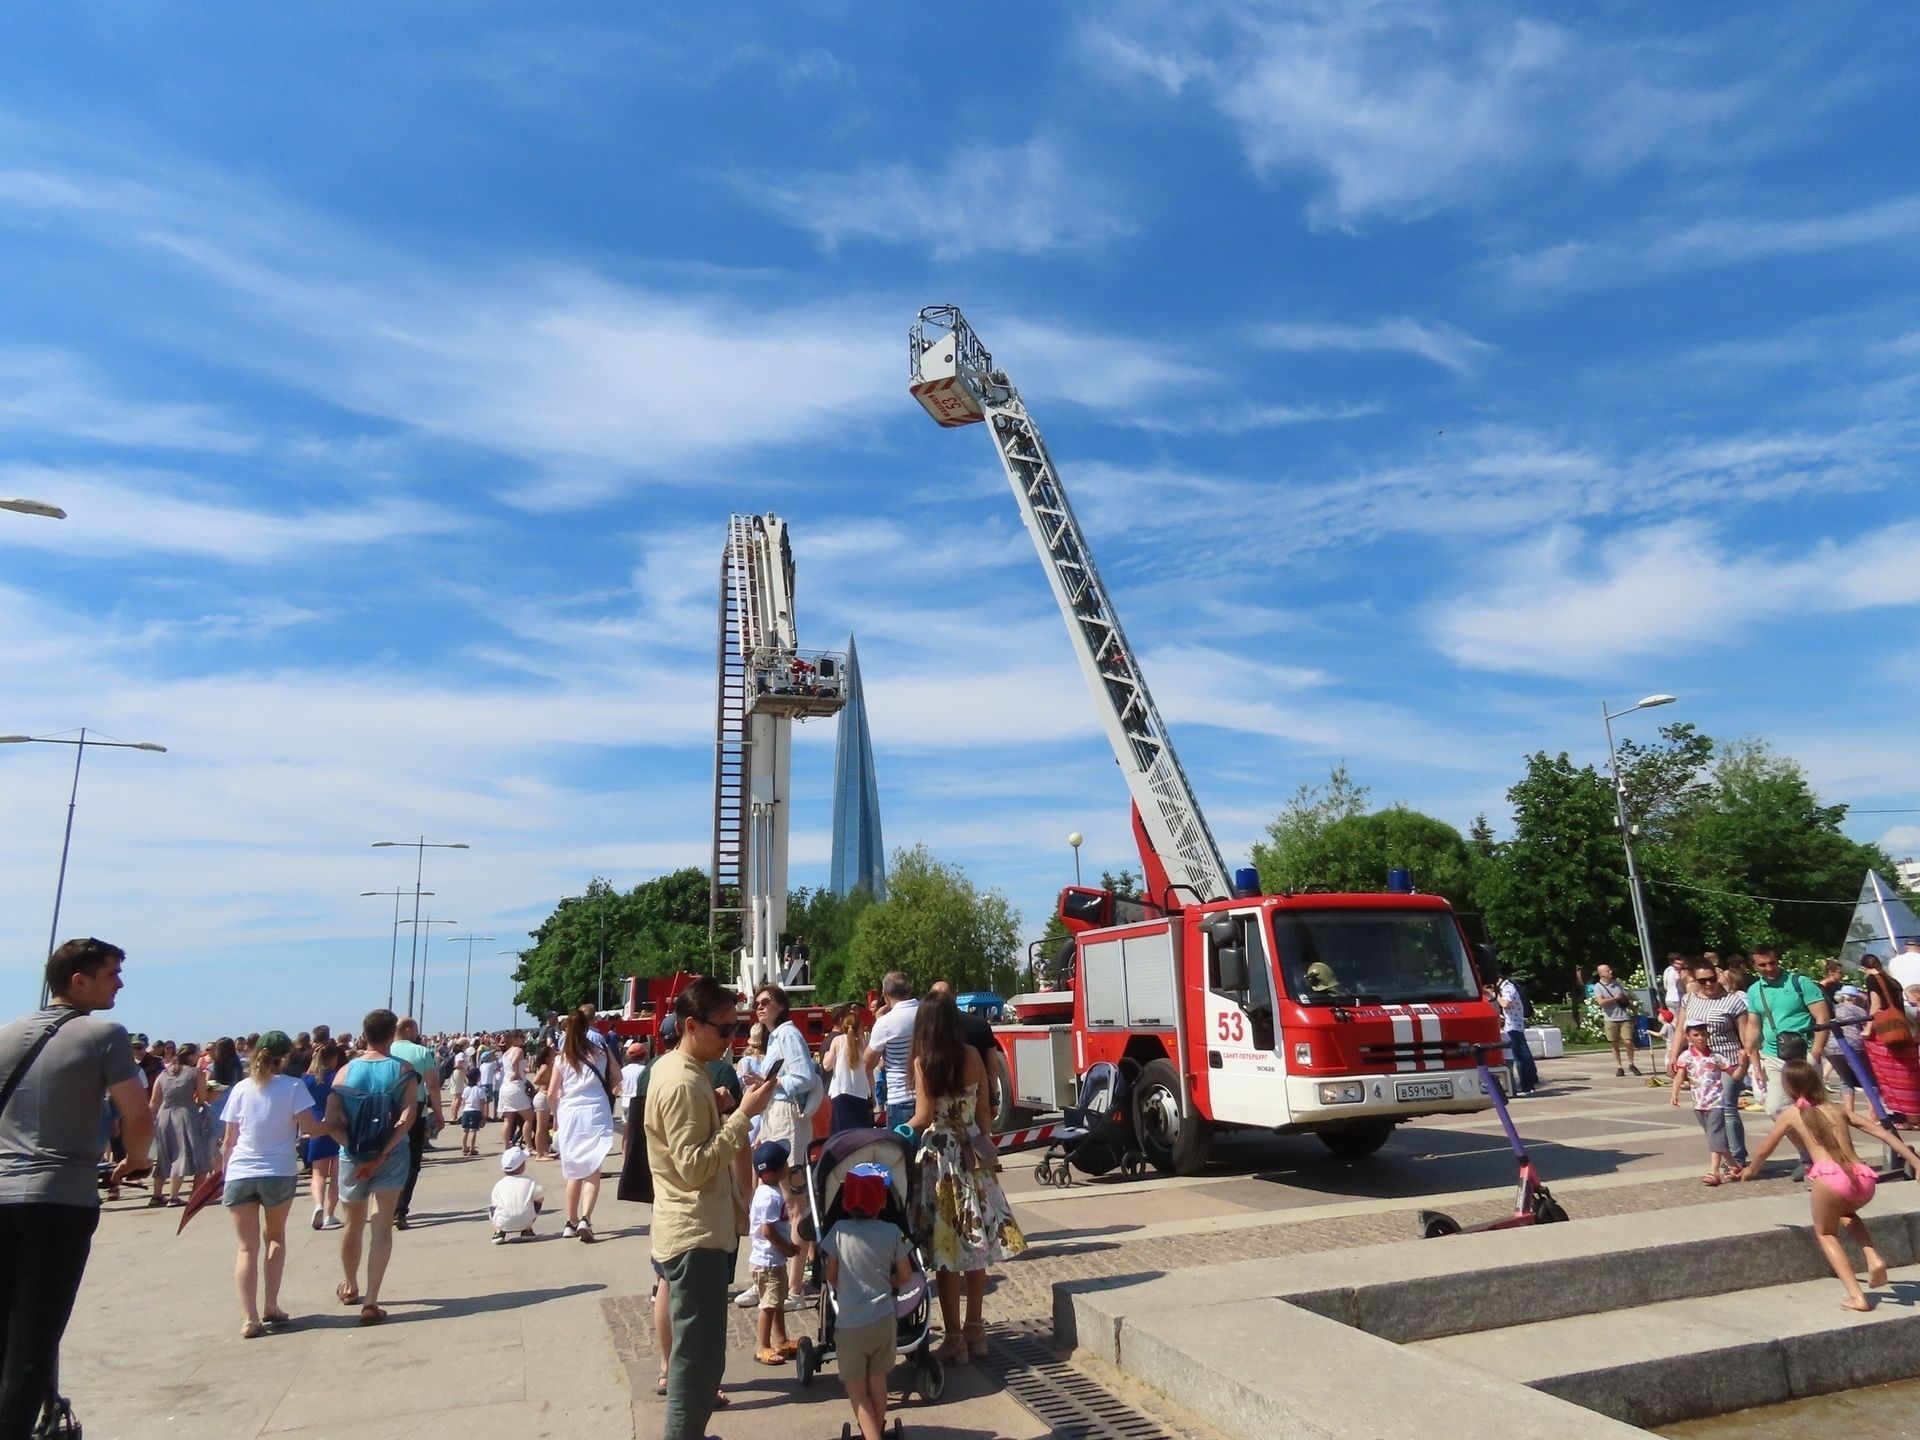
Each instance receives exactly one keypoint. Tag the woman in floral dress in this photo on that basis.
(961, 1219)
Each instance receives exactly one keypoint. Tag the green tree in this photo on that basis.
(1355, 853)
(934, 924)
(1761, 831)
(827, 921)
(1285, 859)
(657, 928)
(1556, 896)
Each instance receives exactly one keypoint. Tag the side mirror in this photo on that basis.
(1231, 961)
(1223, 930)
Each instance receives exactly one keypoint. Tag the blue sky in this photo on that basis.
(1423, 373)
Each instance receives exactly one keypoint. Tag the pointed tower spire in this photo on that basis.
(859, 856)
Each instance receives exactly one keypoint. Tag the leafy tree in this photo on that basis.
(827, 921)
(1285, 858)
(1480, 837)
(934, 924)
(657, 928)
(1761, 831)
(1556, 897)
(1355, 853)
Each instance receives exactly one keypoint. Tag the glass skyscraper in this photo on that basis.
(859, 856)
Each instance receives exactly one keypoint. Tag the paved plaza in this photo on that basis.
(550, 1336)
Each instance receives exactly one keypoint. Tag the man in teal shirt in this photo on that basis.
(1783, 1006)
(431, 1117)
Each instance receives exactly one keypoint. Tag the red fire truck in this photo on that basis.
(1341, 1015)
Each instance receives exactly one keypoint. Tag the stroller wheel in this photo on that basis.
(1433, 1225)
(805, 1362)
(1042, 1174)
(933, 1379)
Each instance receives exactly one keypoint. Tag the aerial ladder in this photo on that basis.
(765, 683)
(954, 378)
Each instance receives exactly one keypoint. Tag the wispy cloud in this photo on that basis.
(1444, 345)
(49, 394)
(1709, 243)
(1026, 199)
(1564, 607)
(1403, 109)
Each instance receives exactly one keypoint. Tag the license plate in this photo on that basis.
(1423, 1090)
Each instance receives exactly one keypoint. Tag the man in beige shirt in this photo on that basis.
(696, 1210)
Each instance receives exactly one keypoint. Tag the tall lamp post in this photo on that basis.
(34, 507)
(420, 848)
(1076, 839)
(420, 1018)
(600, 914)
(1634, 890)
(466, 1007)
(393, 950)
(79, 753)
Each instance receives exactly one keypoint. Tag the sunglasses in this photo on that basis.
(725, 1029)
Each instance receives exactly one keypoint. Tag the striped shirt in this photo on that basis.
(1722, 1019)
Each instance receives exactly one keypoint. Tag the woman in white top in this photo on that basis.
(849, 1085)
(265, 1115)
(581, 1092)
(516, 1096)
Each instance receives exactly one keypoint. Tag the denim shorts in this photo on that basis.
(390, 1176)
(267, 1190)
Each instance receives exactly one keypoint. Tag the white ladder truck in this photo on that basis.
(766, 682)
(1336, 1014)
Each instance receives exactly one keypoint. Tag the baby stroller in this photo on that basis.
(828, 1162)
(1096, 1136)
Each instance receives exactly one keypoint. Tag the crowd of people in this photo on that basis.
(719, 1150)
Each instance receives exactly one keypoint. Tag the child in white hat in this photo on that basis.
(516, 1198)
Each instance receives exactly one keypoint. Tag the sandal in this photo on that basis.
(720, 1400)
(371, 1314)
(346, 1294)
(954, 1352)
(790, 1348)
(976, 1339)
(768, 1357)
(1713, 1179)
(276, 1317)
(660, 1385)
(252, 1330)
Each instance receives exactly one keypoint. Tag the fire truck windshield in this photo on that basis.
(1357, 957)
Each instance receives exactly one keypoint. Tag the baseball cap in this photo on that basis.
(277, 1042)
(512, 1158)
(770, 1155)
(669, 1028)
(865, 1190)
(137, 1039)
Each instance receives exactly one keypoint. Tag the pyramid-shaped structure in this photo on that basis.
(859, 854)
(1882, 923)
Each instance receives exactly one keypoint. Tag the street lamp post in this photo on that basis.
(1635, 891)
(420, 848)
(420, 1018)
(393, 950)
(79, 753)
(466, 1007)
(600, 915)
(1076, 840)
(34, 507)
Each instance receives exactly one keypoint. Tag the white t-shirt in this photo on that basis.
(512, 1203)
(1905, 968)
(630, 1078)
(474, 1097)
(769, 1208)
(893, 1037)
(488, 1069)
(267, 1115)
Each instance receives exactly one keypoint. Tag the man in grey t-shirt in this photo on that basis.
(49, 1153)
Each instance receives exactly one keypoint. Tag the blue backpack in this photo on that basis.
(371, 1115)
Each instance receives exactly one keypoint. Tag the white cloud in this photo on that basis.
(47, 392)
(1711, 242)
(1021, 199)
(117, 512)
(1563, 607)
(1443, 345)
(1402, 109)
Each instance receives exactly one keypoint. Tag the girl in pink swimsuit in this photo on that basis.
(1840, 1183)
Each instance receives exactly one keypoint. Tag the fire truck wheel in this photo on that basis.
(1357, 1141)
(1006, 1114)
(1175, 1144)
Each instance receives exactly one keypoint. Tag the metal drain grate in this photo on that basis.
(1068, 1402)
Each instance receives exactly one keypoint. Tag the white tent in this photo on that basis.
(1882, 923)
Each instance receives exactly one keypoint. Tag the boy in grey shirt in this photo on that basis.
(868, 1260)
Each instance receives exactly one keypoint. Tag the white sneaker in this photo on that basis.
(319, 1217)
(334, 1222)
(747, 1298)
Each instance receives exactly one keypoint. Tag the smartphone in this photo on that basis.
(772, 1072)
